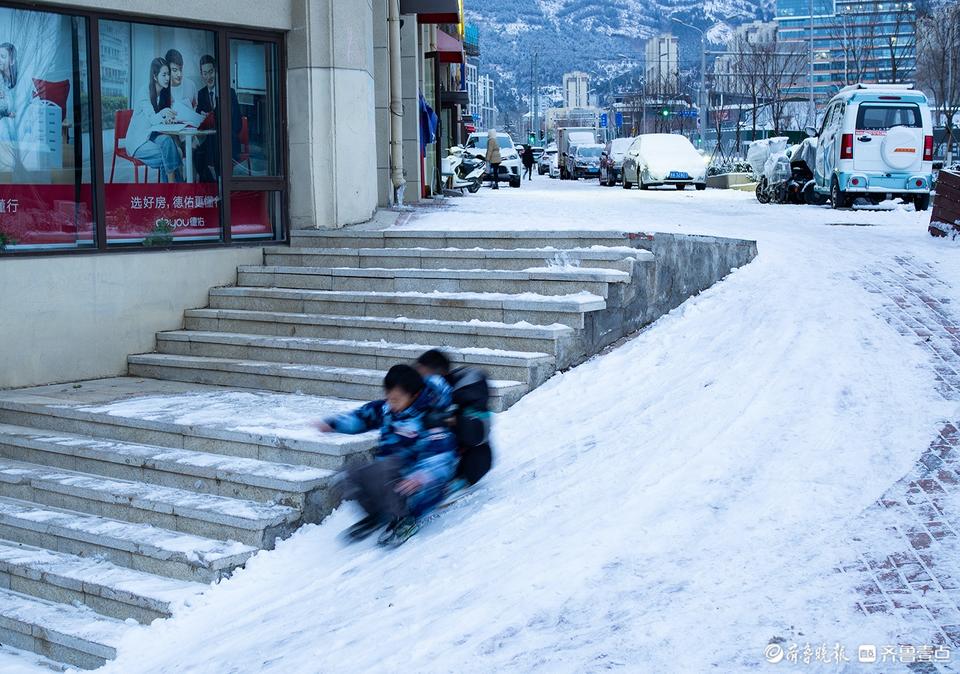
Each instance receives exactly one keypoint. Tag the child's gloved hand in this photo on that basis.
(322, 426)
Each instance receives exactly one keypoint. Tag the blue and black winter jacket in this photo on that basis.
(405, 434)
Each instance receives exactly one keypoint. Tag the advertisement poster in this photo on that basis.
(45, 191)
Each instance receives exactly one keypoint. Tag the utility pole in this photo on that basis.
(702, 111)
(812, 111)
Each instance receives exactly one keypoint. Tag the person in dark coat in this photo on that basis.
(528, 162)
(467, 414)
(206, 157)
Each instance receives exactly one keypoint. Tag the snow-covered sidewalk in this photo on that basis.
(676, 505)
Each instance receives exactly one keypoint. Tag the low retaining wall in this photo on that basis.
(685, 265)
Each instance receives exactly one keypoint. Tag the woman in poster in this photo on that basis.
(8, 108)
(153, 108)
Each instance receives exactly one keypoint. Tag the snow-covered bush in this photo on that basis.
(720, 166)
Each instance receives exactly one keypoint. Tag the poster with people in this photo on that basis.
(45, 191)
(159, 131)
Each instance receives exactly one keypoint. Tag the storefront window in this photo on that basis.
(46, 197)
(255, 100)
(160, 139)
(255, 215)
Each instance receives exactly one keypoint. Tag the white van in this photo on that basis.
(876, 141)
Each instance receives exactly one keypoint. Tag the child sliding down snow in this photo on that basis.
(412, 463)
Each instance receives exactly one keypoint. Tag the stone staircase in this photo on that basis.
(116, 510)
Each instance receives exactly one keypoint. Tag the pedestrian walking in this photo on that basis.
(528, 161)
(494, 158)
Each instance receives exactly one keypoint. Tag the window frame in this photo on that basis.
(223, 33)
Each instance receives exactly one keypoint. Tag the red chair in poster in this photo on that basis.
(244, 137)
(121, 122)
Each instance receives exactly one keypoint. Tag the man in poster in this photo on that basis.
(207, 156)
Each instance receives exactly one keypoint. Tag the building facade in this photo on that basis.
(576, 90)
(125, 192)
(853, 40)
(489, 115)
(662, 65)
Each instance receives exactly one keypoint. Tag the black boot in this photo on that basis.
(362, 529)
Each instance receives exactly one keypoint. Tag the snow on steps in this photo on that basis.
(327, 452)
(497, 239)
(109, 589)
(216, 474)
(531, 368)
(355, 383)
(544, 281)
(454, 335)
(457, 306)
(250, 522)
(620, 258)
(142, 547)
(77, 636)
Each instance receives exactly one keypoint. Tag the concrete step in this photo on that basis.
(452, 335)
(141, 547)
(517, 259)
(411, 238)
(251, 522)
(65, 633)
(501, 308)
(530, 368)
(542, 281)
(354, 383)
(108, 589)
(300, 487)
(325, 452)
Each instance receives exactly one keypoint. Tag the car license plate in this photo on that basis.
(679, 175)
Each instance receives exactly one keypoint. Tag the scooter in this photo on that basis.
(465, 170)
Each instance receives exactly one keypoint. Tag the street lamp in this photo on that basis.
(702, 108)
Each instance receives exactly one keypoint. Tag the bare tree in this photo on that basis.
(853, 30)
(938, 63)
(782, 66)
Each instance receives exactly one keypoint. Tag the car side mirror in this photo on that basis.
(811, 132)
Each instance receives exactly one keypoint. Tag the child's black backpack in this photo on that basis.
(471, 398)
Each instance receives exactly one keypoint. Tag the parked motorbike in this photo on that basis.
(466, 171)
(785, 175)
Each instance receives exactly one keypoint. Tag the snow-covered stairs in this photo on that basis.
(329, 315)
(113, 515)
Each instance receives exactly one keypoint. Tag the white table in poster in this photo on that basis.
(187, 134)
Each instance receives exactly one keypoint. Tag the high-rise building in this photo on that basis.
(853, 40)
(576, 87)
(488, 103)
(663, 65)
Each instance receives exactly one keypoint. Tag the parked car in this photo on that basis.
(583, 161)
(663, 159)
(572, 135)
(611, 161)
(511, 168)
(876, 141)
(555, 166)
(547, 159)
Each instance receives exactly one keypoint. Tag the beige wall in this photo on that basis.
(73, 317)
(270, 14)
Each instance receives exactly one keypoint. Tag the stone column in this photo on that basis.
(331, 113)
(410, 58)
(381, 58)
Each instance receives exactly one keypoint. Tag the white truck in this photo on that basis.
(572, 135)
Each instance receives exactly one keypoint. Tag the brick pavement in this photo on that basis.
(918, 580)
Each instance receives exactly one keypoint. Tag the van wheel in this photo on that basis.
(838, 198)
(921, 202)
(701, 187)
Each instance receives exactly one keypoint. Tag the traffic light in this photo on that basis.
(532, 138)
(665, 113)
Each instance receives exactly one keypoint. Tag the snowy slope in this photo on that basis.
(668, 507)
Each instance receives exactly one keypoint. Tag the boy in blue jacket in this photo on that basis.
(412, 463)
